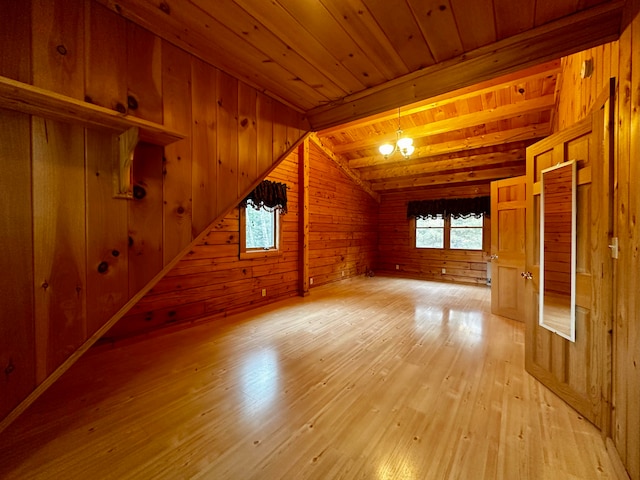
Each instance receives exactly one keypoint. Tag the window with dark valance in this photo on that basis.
(450, 207)
(269, 196)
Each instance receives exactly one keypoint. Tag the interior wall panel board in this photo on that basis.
(145, 217)
(17, 333)
(177, 171)
(227, 151)
(107, 234)
(204, 144)
(144, 74)
(59, 228)
(106, 58)
(59, 46)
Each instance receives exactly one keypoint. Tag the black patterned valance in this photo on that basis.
(268, 195)
(452, 207)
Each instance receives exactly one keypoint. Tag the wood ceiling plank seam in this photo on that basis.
(437, 23)
(321, 25)
(455, 123)
(474, 161)
(517, 134)
(360, 25)
(397, 22)
(249, 29)
(499, 149)
(548, 10)
(478, 170)
(550, 41)
(475, 21)
(484, 175)
(512, 17)
(238, 47)
(277, 19)
(266, 77)
(585, 4)
(467, 189)
(546, 70)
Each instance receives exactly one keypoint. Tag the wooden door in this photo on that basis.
(508, 207)
(577, 372)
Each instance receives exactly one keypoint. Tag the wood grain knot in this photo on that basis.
(9, 368)
(115, 253)
(120, 108)
(132, 102)
(165, 8)
(180, 210)
(61, 49)
(139, 192)
(103, 267)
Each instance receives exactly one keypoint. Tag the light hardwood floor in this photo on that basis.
(370, 378)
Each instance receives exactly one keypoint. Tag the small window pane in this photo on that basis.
(430, 237)
(260, 228)
(466, 238)
(466, 222)
(430, 222)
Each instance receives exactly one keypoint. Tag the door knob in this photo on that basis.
(493, 257)
(526, 275)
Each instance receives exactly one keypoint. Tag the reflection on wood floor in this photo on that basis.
(371, 378)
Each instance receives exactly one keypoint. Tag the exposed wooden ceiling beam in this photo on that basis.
(344, 166)
(504, 136)
(457, 177)
(430, 167)
(533, 73)
(553, 40)
(462, 190)
(455, 123)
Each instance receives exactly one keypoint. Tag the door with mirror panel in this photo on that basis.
(575, 371)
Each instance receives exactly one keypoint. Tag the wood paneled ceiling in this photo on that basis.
(349, 65)
(468, 136)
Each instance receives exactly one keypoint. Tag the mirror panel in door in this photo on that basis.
(558, 249)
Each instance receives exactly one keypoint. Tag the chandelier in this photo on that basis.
(404, 145)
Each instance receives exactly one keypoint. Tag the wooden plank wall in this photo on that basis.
(211, 281)
(75, 254)
(343, 229)
(396, 246)
(576, 96)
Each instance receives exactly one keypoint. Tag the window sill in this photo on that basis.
(249, 254)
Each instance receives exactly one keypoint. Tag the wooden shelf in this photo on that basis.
(26, 98)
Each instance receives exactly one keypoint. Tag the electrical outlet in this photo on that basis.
(311, 281)
(397, 267)
(444, 270)
(264, 292)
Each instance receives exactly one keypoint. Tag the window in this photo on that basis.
(449, 233)
(259, 231)
(430, 232)
(466, 233)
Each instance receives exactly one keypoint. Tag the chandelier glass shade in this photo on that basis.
(404, 145)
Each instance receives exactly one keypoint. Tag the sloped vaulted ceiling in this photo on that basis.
(474, 79)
